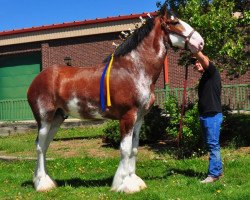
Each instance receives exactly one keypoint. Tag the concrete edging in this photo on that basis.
(8, 128)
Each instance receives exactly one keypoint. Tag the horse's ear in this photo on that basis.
(172, 13)
(163, 11)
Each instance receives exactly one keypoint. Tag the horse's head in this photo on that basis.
(180, 34)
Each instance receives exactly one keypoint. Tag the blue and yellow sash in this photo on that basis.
(102, 86)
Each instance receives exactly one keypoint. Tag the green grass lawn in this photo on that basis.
(84, 168)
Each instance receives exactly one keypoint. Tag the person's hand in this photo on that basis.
(204, 60)
(193, 49)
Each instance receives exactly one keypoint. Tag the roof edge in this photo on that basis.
(75, 23)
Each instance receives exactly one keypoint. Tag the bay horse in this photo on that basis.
(59, 91)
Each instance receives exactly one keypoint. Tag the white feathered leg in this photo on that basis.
(122, 181)
(132, 165)
(42, 181)
(125, 179)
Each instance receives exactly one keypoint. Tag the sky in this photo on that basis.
(18, 14)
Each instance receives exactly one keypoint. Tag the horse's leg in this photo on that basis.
(42, 181)
(132, 165)
(122, 181)
(55, 125)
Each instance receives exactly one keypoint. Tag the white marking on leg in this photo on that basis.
(122, 181)
(42, 136)
(94, 111)
(42, 181)
(125, 179)
(74, 107)
(41, 108)
(132, 161)
(122, 170)
(135, 144)
(57, 121)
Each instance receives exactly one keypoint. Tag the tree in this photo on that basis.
(226, 37)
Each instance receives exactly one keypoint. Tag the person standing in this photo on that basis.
(210, 111)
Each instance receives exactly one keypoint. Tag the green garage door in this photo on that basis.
(16, 74)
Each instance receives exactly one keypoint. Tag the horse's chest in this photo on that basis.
(143, 89)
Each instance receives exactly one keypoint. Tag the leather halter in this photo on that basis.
(166, 28)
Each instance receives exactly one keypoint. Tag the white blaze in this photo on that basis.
(196, 41)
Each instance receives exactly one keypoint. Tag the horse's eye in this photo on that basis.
(175, 22)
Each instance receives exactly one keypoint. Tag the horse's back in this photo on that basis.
(42, 81)
(49, 77)
(57, 86)
(45, 84)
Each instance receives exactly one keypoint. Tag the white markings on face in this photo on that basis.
(74, 107)
(177, 41)
(195, 41)
(188, 28)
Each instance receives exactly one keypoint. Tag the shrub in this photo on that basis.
(191, 140)
(235, 130)
(112, 133)
(153, 128)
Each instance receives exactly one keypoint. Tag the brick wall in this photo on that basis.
(177, 74)
(91, 50)
(84, 51)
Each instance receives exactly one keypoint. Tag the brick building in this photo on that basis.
(25, 52)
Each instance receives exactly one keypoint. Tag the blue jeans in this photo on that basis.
(210, 125)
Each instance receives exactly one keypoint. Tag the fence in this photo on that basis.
(14, 110)
(236, 96)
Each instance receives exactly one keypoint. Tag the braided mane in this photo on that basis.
(133, 40)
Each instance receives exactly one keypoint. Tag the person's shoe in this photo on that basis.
(210, 179)
(221, 176)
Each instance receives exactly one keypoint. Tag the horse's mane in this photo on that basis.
(133, 40)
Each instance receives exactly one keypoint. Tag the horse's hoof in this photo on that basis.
(130, 184)
(44, 184)
(126, 189)
(139, 181)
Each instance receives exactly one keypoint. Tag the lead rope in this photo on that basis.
(179, 137)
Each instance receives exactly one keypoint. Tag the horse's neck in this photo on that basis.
(150, 54)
